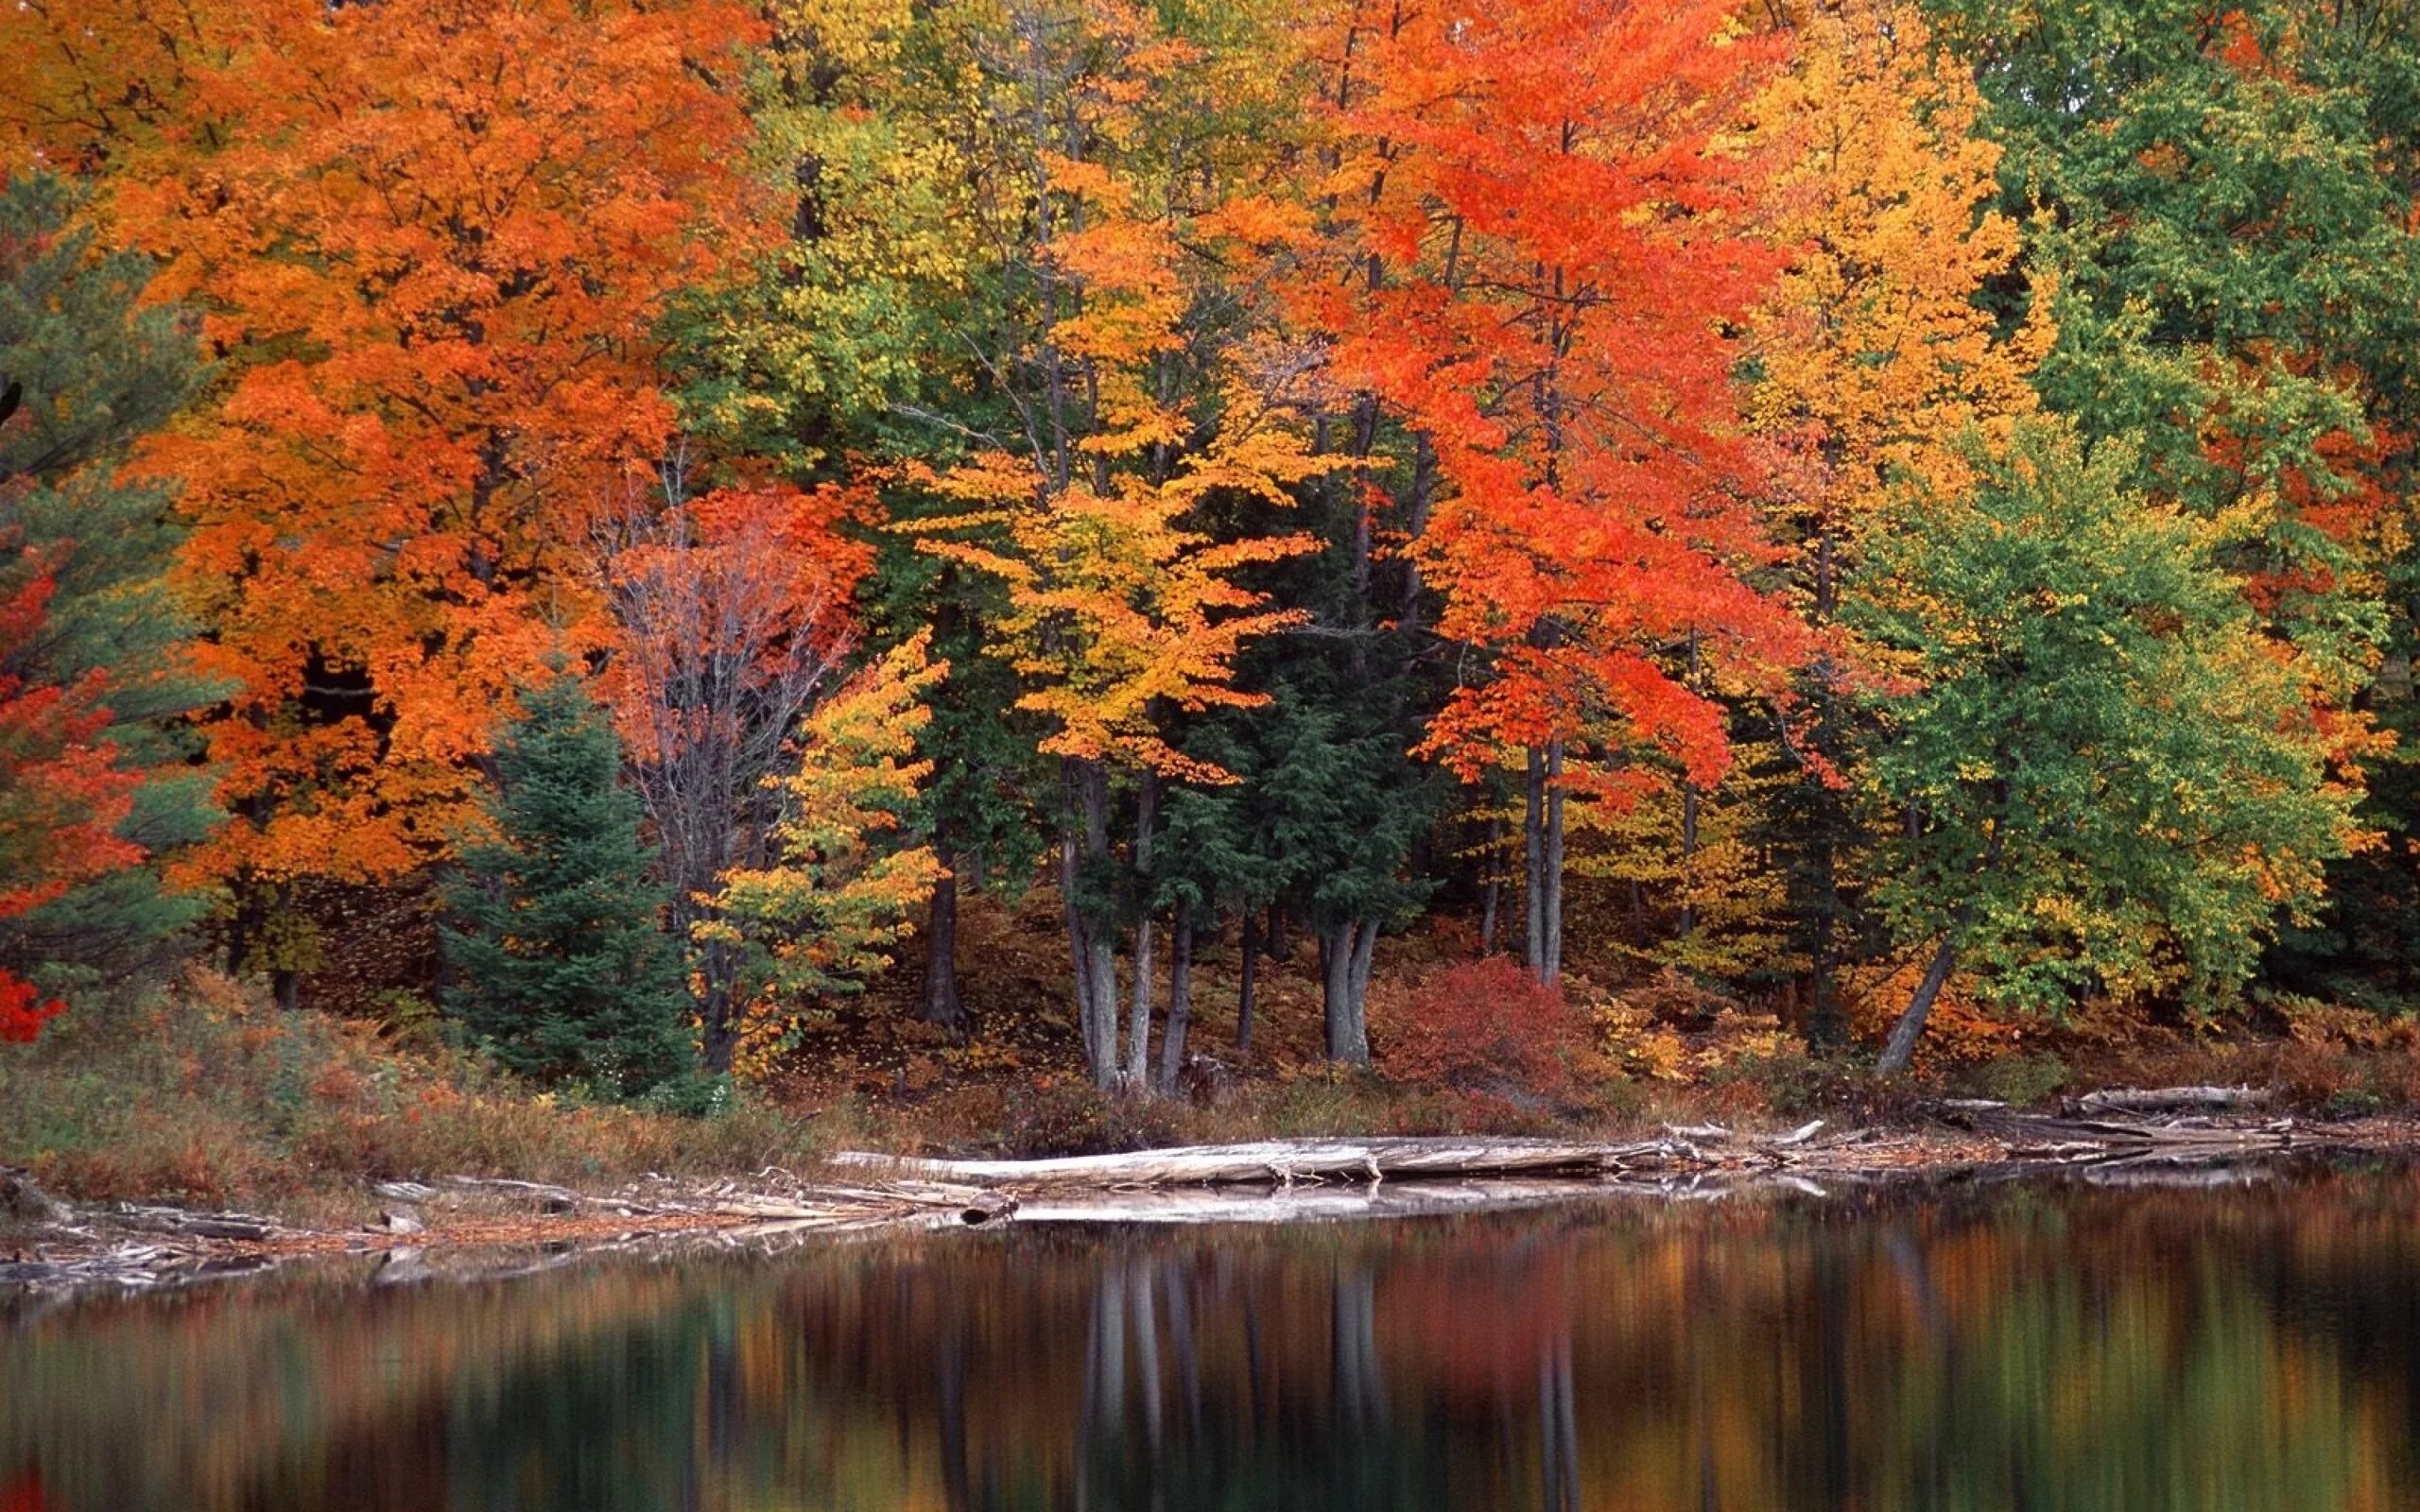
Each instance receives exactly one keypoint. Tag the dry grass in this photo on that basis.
(204, 1094)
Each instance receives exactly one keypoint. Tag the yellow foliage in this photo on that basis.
(1874, 351)
(826, 913)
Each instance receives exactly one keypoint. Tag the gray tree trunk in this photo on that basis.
(1094, 946)
(1344, 965)
(1180, 1000)
(1533, 861)
(1902, 1045)
(1138, 1031)
(1244, 992)
(1553, 970)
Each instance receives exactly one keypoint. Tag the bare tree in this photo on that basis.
(731, 608)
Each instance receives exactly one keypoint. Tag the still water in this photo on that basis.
(2054, 1345)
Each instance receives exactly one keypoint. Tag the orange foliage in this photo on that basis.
(1549, 220)
(432, 242)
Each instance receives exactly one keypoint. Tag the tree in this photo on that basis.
(849, 349)
(1873, 357)
(733, 618)
(2111, 776)
(431, 242)
(1542, 225)
(821, 914)
(1139, 385)
(98, 373)
(564, 971)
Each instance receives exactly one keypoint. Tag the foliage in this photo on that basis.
(835, 899)
(108, 637)
(2112, 779)
(1483, 1025)
(203, 1092)
(565, 974)
(430, 242)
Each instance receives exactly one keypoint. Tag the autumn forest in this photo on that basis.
(648, 546)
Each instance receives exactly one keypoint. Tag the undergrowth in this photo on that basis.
(205, 1093)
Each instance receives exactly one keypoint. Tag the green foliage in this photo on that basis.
(2109, 777)
(564, 972)
(100, 370)
(1325, 808)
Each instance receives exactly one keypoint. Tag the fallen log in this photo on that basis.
(183, 1224)
(2029, 1133)
(2169, 1099)
(1284, 1162)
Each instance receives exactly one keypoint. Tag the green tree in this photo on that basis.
(564, 973)
(98, 371)
(2109, 774)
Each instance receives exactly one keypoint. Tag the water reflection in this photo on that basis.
(2058, 1346)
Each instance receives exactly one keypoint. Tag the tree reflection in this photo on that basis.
(2051, 1348)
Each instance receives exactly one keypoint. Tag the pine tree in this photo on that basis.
(564, 973)
(98, 370)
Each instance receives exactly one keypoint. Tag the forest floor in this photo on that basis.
(205, 1099)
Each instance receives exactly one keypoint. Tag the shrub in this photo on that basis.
(1483, 1026)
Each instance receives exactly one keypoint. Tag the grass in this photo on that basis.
(204, 1094)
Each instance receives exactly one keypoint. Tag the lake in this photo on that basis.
(2054, 1343)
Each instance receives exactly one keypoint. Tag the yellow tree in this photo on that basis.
(1874, 359)
(825, 913)
(1134, 383)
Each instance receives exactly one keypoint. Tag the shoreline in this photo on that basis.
(135, 1247)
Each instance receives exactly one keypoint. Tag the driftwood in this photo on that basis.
(1284, 1162)
(2169, 1099)
(2034, 1136)
(185, 1225)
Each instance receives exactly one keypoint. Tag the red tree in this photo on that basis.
(1545, 260)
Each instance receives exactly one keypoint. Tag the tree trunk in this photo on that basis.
(1276, 942)
(1552, 972)
(1533, 861)
(1094, 946)
(717, 970)
(1244, 992)
(1493, 891)
(1828, 1026)
(1690, 825)
(1902, 1045)
(942, 1003)
(1180, 1000)
(1138, 1032)
(1362, 954)
(1689, 859)
(1345, 973)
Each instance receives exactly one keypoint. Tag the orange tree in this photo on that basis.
(1543, 262)
(431, 242)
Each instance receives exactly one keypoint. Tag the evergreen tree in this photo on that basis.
(564, 971)
(97, 371)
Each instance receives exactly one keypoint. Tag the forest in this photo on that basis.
(680, 553)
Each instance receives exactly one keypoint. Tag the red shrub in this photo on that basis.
(23, 1012)
(1481, 1025)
